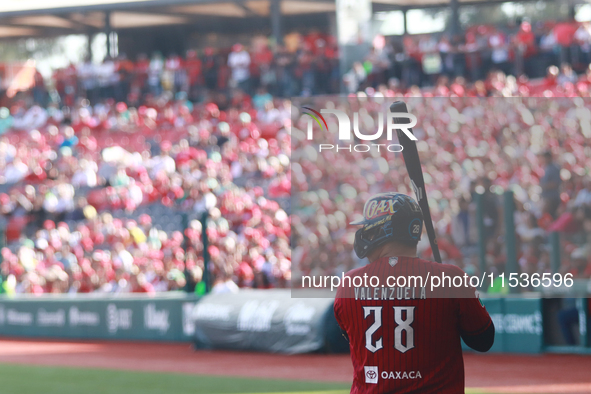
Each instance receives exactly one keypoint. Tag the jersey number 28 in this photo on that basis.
(402, 325)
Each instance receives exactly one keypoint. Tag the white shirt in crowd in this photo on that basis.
(124, 258)
(583, 36)
(499, 53)
(548, 42)
(86, 174)
(87, 74)
(34, 118)
(7, 151)
(206, 203)
(162, 163)
(135, 192)
(106, 73)
(15, 172)
(268, 116)
(583, 198)
(155, 71)
(239, 62)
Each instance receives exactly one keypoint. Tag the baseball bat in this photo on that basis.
(415, 172)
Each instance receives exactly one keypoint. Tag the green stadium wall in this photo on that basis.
(518, 324)
(166, 318)
(172, 318)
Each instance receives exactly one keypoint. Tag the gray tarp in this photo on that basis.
(269, 321)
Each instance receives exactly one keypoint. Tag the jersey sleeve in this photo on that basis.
(337, 308)
(474, 318)
(338, 305)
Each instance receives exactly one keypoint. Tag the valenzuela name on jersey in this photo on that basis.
(390, 293)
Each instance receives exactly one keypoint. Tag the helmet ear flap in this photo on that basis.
(364, 244)
(360, 245)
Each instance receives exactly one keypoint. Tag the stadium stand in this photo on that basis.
(105, 167)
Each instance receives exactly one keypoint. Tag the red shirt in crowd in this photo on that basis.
(259, 59)
(526, 38)
(564, 33)
(194, 68)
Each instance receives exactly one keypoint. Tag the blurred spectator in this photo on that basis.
(491, 210)
(526, 48)
(500, 52)
(194, 73)
(568, 319)
(210, 68)
(355, 77)
(225, 285)
(155, 74)
(550, 183)
(567, 75)
(87, 77)
(583, 197)
(463, 226)
(239, 62)
(262, 98)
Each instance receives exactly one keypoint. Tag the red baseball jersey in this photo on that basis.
(407, 339)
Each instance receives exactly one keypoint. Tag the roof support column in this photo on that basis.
(108, 31)
(404, 22)
(276, 23)
(455, 17)
(571, 11)
(89, 37)
(354, 34)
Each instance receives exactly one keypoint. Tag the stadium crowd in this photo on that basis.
(308, 65)
(89, 174)
(476, 138)
(485, 152)
(65, 176)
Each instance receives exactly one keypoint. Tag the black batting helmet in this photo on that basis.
(388, 217)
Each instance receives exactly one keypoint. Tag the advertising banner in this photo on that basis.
(154, 319)
(518, 324)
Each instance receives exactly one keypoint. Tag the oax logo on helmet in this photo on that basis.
(345, 130)
(375, 208)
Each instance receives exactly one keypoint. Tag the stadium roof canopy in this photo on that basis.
(418, 4)
(20, 7)
(42, 18)
(20, 18)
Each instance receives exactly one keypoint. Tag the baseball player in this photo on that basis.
(405, 339)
